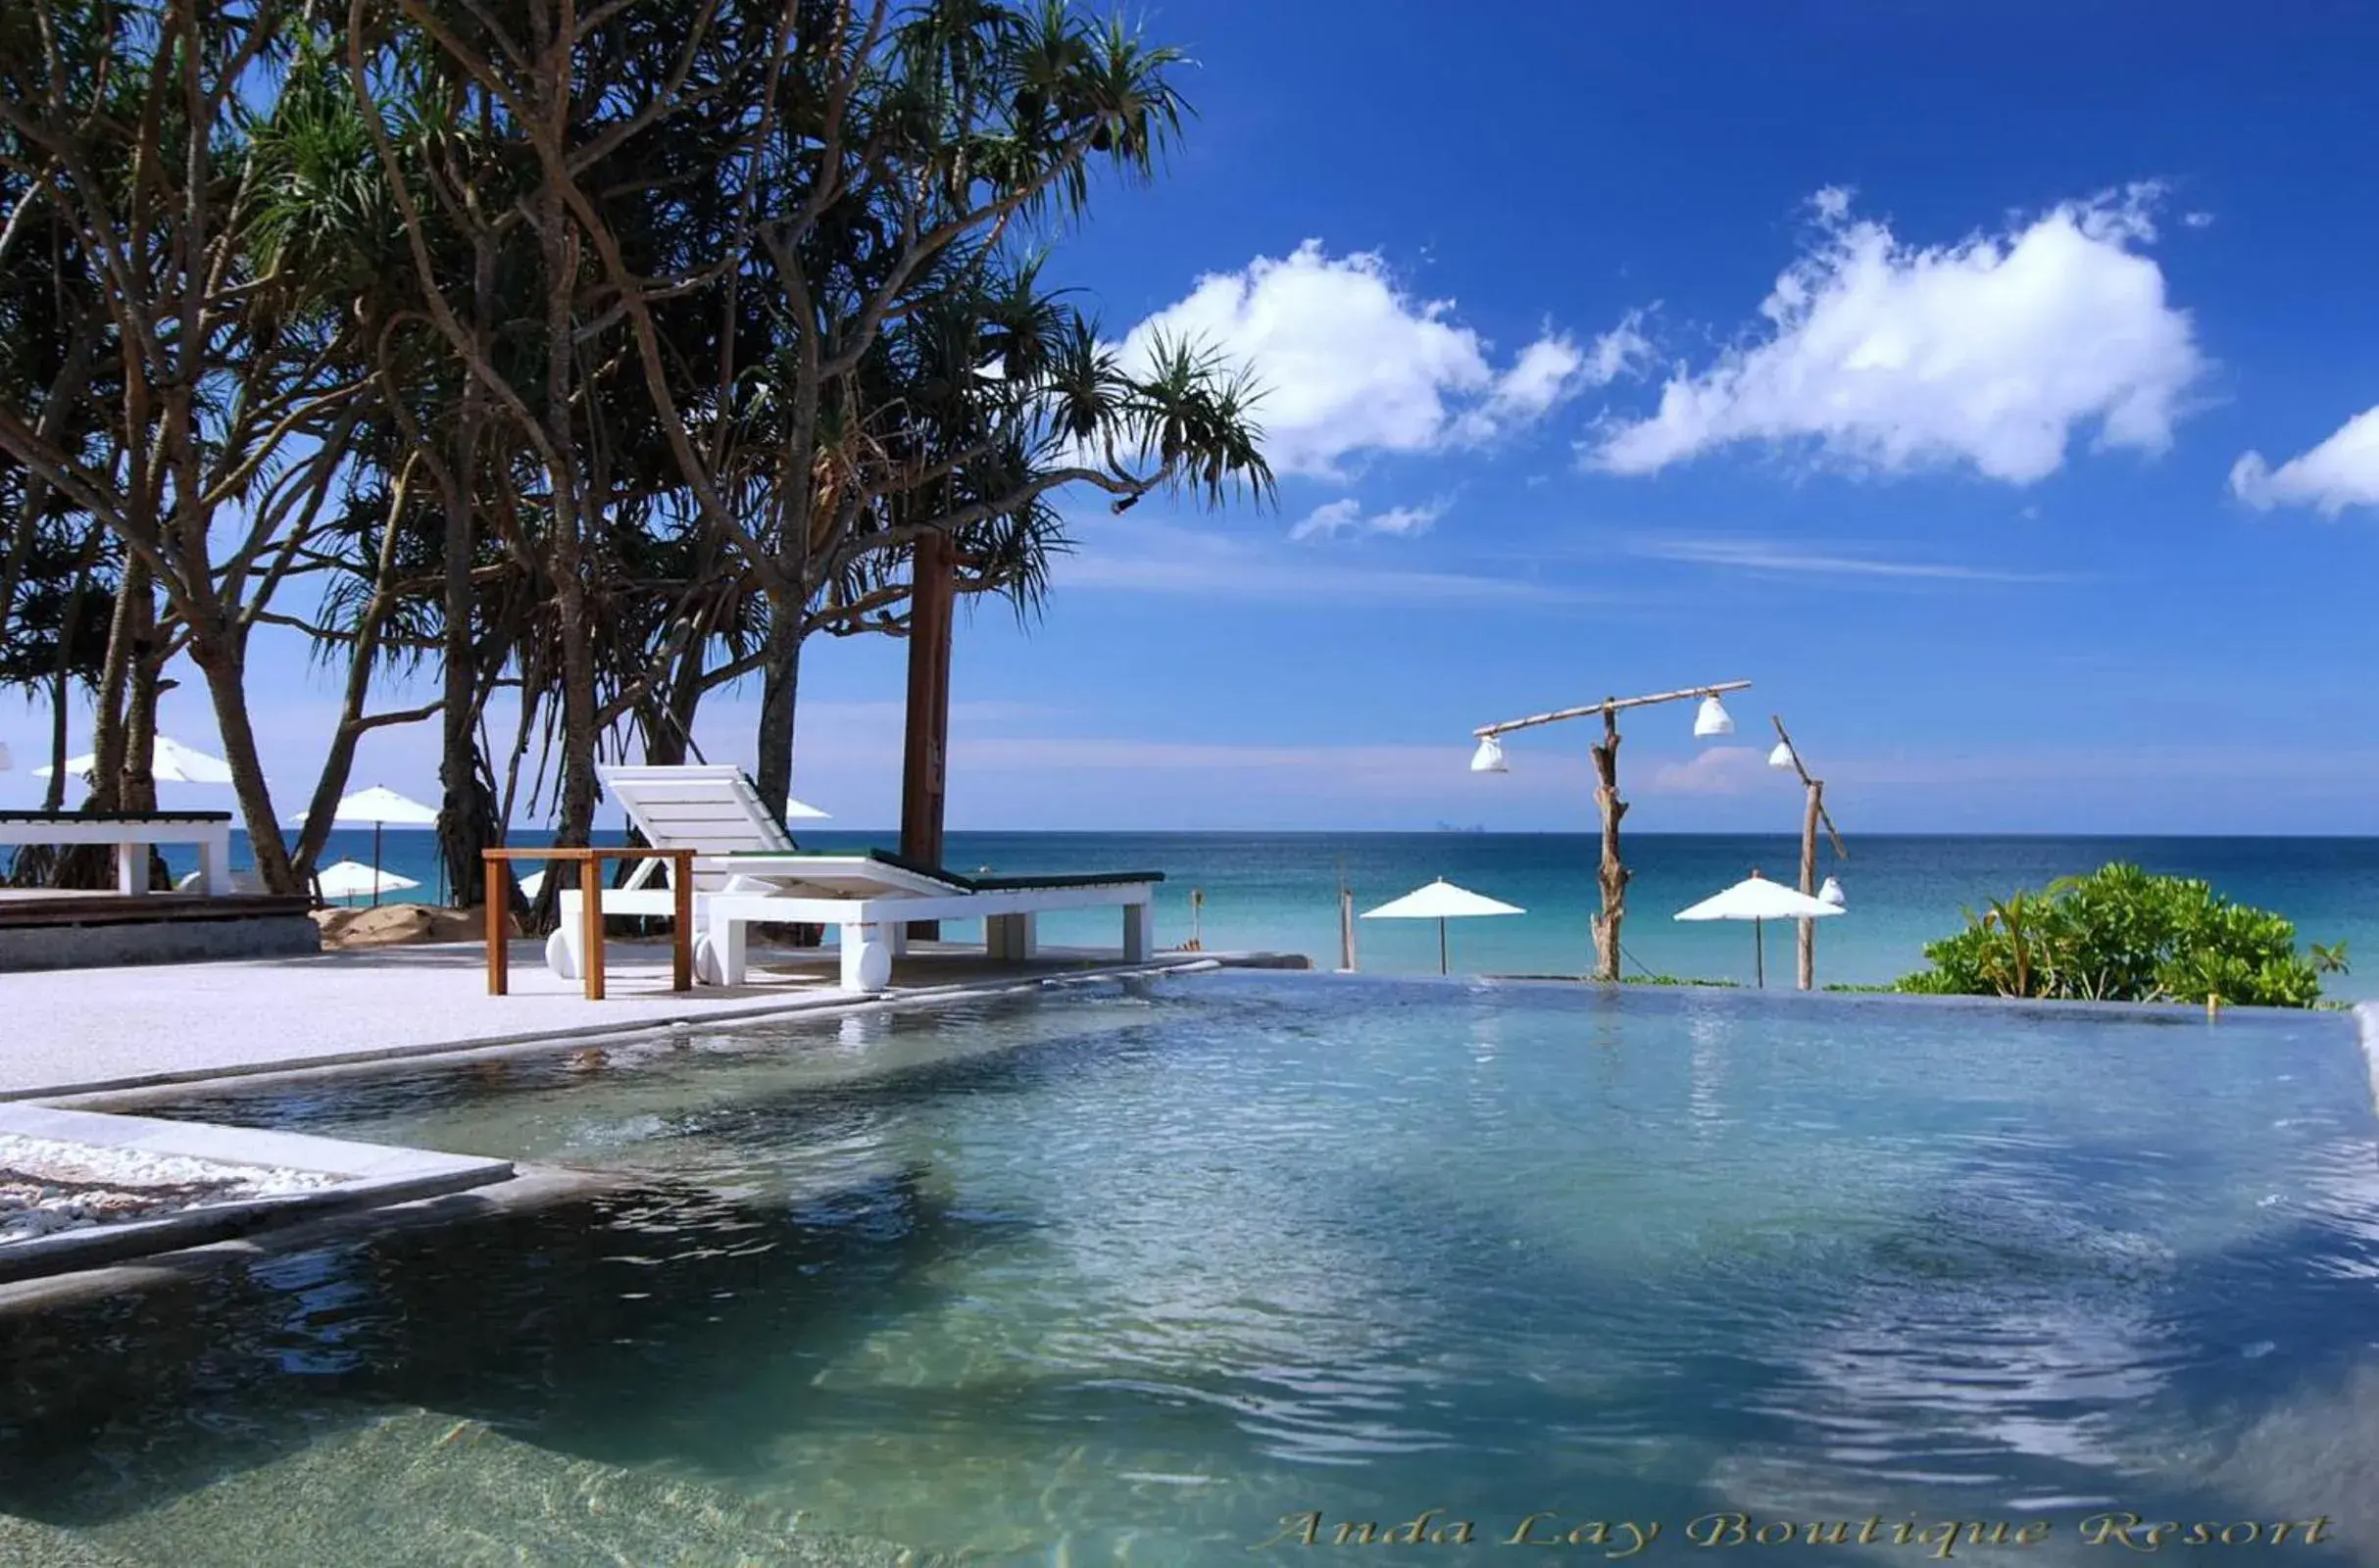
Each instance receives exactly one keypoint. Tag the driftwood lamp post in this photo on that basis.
(1813, 812)
(1711, 720)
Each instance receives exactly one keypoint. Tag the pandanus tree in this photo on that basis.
(134, 124)
(602, 354)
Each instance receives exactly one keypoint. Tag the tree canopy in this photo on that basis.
(599, 355)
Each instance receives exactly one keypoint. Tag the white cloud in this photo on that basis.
(1347, 517)
(1753, 555)
(1352, 364)
(1989, 352)
(2342, 472)
(2197, 219)
(1717, 770)
(1146, 556)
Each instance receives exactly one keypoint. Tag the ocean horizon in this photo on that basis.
(1278, 891)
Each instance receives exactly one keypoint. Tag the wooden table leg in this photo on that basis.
(682, 953)
(590, 890)
(498, 879)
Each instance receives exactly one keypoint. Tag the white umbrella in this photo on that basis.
(6, 762)
(170, 762)
(1759, 900)
(794, 809)
(1441, 900)
(348, 879)
(381, 807)
(531, 885)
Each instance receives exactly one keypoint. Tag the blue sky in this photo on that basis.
(1982, 388)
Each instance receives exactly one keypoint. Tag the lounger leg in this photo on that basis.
(867, 956)
(899, 941)
(727, 945)
(215, 863)
(1139, 932)
(570, 934)
(1010, 938)
(132, 867)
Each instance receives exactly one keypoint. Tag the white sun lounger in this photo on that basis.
(695, 807)
(871, 898)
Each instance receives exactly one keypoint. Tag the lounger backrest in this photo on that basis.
(697, 806)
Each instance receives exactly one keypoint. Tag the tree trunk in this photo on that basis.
(466, 810)
(136, 778)
(115, 682)
(780, 691)
(1615, 874)
(925, 755)
(222, 658)
(579, 737)
(53, 799)
(1809, 882)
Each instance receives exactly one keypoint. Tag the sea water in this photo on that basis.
(1279, 891)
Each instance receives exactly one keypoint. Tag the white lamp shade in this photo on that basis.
(1831, 894)
(1489, 758)
(1781, 756)
(1713, 719)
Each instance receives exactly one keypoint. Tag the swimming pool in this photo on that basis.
(1154, 1271)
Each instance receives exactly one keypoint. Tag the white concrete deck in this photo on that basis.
(79, 1031)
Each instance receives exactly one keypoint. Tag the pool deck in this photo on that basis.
(73, 1031)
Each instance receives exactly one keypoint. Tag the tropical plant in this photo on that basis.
(2123, 935)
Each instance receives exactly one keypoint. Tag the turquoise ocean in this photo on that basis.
(1278, 891)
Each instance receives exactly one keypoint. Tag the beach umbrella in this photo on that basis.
(6, 762)
(794, 810)
(531, 885)
(1758, 900)
(170, 762)
(1441, 900)
(381, 807)
(348, 879)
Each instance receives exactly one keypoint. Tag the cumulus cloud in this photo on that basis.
(1350, 363)
(1991, 352)
(2342, 472)
(1347, 517)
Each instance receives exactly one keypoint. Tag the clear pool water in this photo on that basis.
(1131, 1273)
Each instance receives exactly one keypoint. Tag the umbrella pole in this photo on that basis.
(1441, 944)
(1760, 955)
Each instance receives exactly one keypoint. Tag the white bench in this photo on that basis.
(132, 833)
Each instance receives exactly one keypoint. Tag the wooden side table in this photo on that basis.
(591, 863)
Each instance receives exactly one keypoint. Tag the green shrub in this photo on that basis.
(2121, 935)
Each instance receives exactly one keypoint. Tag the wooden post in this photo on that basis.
(590, 908)
(681, 939)
(1808, 881)
(1813, 813)
(497, 879)
(1615, 874)
(1346, 929)
(932, 600)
